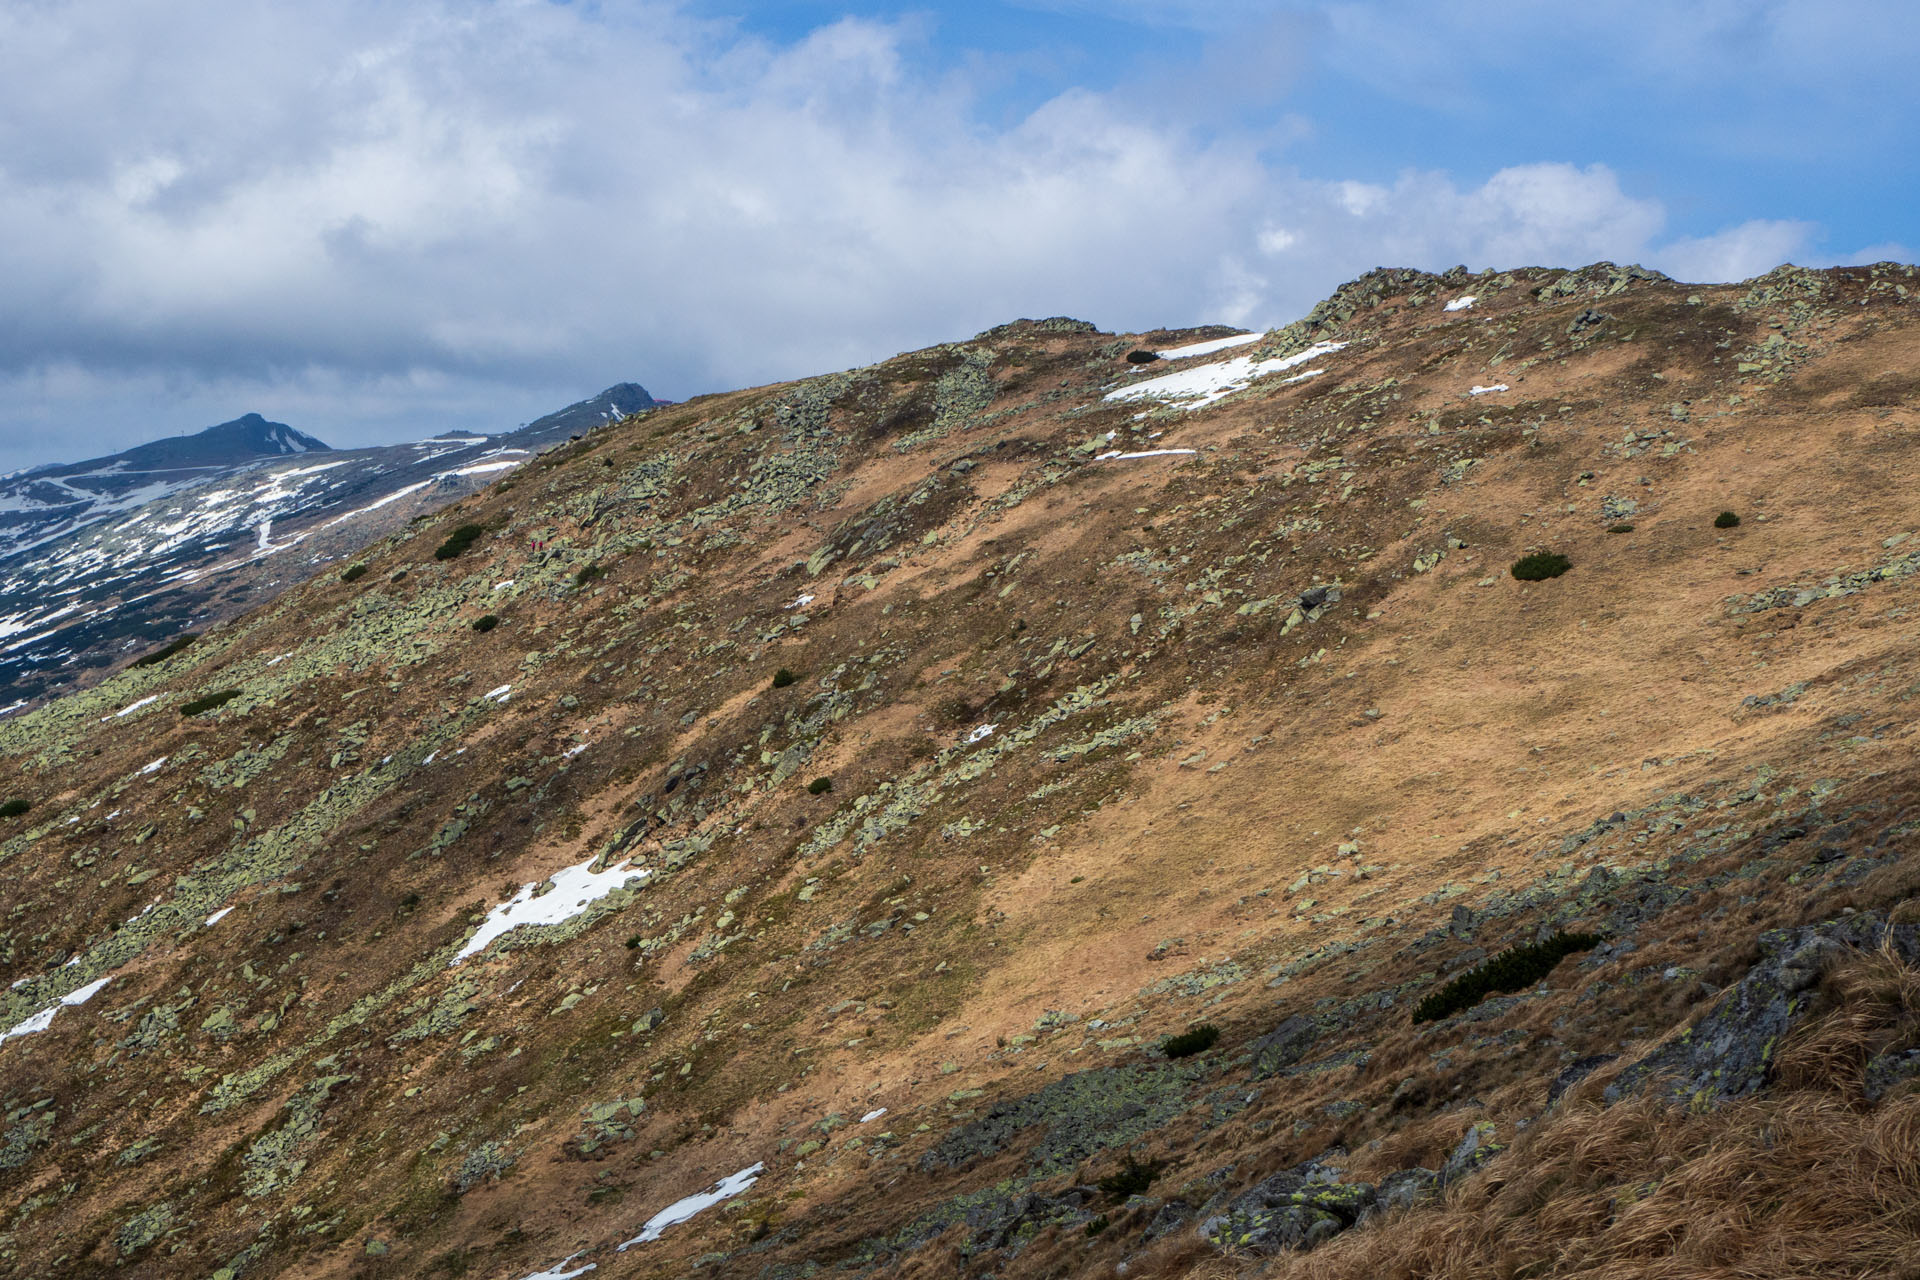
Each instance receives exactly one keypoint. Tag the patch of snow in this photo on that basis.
(395, 496)
(873, 1115)
(981, 733)
(504, 464)
(1301, 377)
(1481, 391)
(131, 707)
(555, 1273)
(1117, 456)
(574, 890)
(497, 695)
(681, 1210)
(44, 1019)
(218, 916)
(502, 586)
(430, 755)
(1462, 304)
(571, 752)
(1209, 347)
(274, 662)
(154, 767)
(1199, 387)
(801, 601)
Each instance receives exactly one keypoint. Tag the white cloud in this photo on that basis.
(358, 216)
(1736, 253)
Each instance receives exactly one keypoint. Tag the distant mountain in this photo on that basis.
(611, 405)
(105, 557)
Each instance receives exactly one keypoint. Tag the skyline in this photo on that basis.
(374, 224)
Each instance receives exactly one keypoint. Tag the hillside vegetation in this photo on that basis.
(1000, 812)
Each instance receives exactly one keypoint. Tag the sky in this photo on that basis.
(377, 221)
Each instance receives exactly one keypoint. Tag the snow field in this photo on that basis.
(574, 890)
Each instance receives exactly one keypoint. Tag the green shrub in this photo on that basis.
(587, 574)
(1726, 520)
(783, 677)
(819, 786)
(161, 655)
(1134, 1178)
(209, 702)
(458, 541)
(1194, 1040)
(1625, 526)
(1514, 969)
(1539, 565)
(353, 573)
(1097, 1224)
(486, 622)
(14, 807)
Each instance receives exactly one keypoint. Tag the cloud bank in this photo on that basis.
(367, 219)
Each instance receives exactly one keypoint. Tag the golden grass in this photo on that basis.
(1804, 1180)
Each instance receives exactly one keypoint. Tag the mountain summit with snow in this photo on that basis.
(245, 439)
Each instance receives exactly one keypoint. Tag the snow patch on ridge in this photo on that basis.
(574, 890)
(681, 1210)
(1197, 388)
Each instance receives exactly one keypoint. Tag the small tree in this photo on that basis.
(486, 622)
(782, 678)
(819, 786)
(1726, 520)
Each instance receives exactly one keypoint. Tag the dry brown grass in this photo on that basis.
(1805, 1180)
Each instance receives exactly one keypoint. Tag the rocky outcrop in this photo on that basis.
(1729, 1052)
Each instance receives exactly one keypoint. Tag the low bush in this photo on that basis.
(1194, 1040)
(161, 655)
(1624, 526)
(819, 786)
(1142, 357)
(1726, 520)
(1514, 969)
(1540, 565)
(486, 622)
(353, 573)
(588, 573)
(14, 807)
(783, 677)
(458, 541)
(209, 703)
(1134, 1178)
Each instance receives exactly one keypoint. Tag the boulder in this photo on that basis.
(1294, 1209)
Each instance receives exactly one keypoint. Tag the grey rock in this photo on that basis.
(1887, 1070)
(1729, 1051)
(1576, 1071)
(1406, 1188)
(1294, 1209)
(1282, 1047)
(1474, 1150)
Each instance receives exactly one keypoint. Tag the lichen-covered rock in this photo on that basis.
(1082, 1113)
(1285, 1045)
(1293, 1209)
(1473, 1150)
(1730, 1050)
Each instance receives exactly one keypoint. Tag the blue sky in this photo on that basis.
(376, 221)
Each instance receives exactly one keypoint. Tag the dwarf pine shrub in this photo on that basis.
(1625, 526)
(587, 574)
(1540, 565)
(1194, 1040)
(819, 786)
(486, 622)
(14, 807)
(1726, 520)
(1514, 969)
(1134, 1178)
(353, 573)
(783, 677)
(161, 655)
(209, 702)
(458, 541)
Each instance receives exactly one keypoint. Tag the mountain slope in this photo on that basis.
(878, 768)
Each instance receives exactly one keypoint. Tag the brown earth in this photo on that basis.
(1199, 803)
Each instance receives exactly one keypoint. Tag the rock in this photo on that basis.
(1406, 1188)
(1290, 1210)
(1576, 1071)
(1474, 1150)
(1282, 1047)
(1728, 1052)
(1167, 1219)
(649, 1020)
(1886, 1070)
